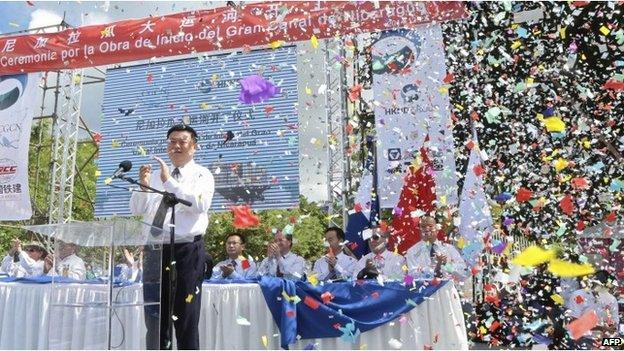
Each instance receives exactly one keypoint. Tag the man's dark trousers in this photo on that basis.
(190, 261)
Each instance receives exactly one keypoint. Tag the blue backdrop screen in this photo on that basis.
(251, 149)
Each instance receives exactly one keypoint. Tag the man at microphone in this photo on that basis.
(191, 182)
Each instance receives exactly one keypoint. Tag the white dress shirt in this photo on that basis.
(421, 265)
(71, 266)
(25, 267)
(239, 272)
(344, 267)
(291, 265)
(391, 265)
(194, 184)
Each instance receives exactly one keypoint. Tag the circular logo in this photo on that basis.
(11, 88)
(395, 52)
(8, 170)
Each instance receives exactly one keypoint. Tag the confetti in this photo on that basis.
(583, 324)
(395, 344)
(265, 341)
(276, 44)
(244, 217)
(562, 268)
(314, 41)
(242, 321)
(532, 256)
(311, 302)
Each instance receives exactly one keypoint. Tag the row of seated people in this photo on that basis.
(33, 259)
(427, 259)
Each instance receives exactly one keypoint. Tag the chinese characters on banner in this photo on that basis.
(267, 23)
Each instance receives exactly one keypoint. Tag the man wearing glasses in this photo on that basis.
(236, 266)
(380, 263)
(194, 183)
(24, 263)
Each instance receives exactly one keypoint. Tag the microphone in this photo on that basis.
(124, 167)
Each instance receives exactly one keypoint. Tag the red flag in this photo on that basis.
(418, 194)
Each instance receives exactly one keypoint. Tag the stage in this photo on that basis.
(234, 316)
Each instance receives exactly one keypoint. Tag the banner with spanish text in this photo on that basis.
(264, 23)
(18, 94)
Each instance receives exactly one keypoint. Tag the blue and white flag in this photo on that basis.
(474, 209)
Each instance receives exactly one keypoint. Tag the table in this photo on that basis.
(29, 319)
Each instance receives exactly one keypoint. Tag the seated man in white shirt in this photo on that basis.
(380, 263)
(236, 266)
(24, 263)
(336, 264)
(64, 262)
(431, 258)
(280, 261)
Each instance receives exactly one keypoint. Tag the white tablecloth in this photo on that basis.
(29, 319)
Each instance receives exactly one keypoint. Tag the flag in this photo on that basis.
(417, 199)
(474, 210)
(359, 218)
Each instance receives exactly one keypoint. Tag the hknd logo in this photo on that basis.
(11, 89)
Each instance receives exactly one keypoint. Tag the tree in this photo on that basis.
(307, 223)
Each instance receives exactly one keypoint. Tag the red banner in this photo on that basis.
(267, 23)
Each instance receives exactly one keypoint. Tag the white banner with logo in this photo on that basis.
(411, 103)
(18, 94)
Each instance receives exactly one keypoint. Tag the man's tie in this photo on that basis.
(161, 212)
(437, 271)
(278, 271)
(332, 271)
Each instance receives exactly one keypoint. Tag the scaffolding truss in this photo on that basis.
(65, 147)
(336, 110)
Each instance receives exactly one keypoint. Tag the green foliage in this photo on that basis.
(309, 222)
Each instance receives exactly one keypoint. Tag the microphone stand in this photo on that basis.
(170, 200)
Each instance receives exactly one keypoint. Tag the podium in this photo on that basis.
(116, 286)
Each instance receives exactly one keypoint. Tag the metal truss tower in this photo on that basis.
(338, 168)
(65, 128)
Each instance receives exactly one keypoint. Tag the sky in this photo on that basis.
(20, 15)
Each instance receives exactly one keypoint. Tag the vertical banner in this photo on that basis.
(412, 102)
(18, 95)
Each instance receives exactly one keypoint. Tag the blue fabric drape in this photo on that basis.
(45, 279)
(354, 307)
